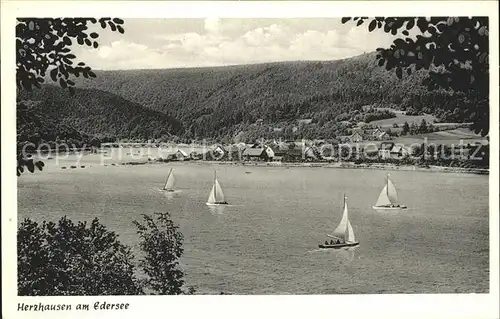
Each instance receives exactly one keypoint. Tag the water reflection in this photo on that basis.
(388, 211)
(171, 195)
(216, 209)
(346, 254)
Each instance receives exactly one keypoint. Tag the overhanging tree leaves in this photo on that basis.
(46, 43)
(43, 44)
(454, 49)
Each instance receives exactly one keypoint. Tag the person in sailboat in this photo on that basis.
(343, 233)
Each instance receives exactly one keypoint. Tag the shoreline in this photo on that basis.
(341, 165)
(287, 165)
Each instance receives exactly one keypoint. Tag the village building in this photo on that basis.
(258, 154)
(181, 155)
(384, 151)
(195, 156)
(219, 151)
(356, 137)
(310, 153)
(376, 132)
(293, 155)
(398, 152)
(383, 136)
(279, 151)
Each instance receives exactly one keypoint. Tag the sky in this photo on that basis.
(180, 43)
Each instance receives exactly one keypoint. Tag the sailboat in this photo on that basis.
(216, 196)
(343, 235)
(170, 182)
(388, 197)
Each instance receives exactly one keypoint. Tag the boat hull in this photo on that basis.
(337, 246)
(389, 207)
(217, 204)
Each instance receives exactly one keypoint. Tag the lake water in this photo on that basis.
(266, 241)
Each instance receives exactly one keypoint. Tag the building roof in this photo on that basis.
(219, 146)
(377, 131)
(386, 145)
(253, 151)
(396, 149)
(382, 134)
(182, 152)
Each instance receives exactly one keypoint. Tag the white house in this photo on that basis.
(181, 155)
(383, 136)
(269, 152)
(219, 151)
(309, 153)
(384, 150)
(356, 137)
(376, 132)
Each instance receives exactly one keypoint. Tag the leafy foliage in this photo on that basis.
(406, 129)
(73, 259)
(29, 164)
(161, 243)
(454, 50)
(78, 259)
(46, 43)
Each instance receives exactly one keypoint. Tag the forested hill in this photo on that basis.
(225, 102)
(33, 126)
(216, 102)
(96, 113)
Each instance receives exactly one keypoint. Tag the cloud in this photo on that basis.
(274, 40)
(127, 55)
(213, 25)
(273, 34)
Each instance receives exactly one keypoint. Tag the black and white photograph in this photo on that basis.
(231, 155)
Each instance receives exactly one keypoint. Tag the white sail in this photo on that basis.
(219, 195)
(349, 236)
(341, 230)
(388, 195)
(170, 183)
(383, 198)
(216, 194)
(391, 192)
(211, 197)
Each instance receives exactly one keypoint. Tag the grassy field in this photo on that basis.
(401, 118)
(444, 137)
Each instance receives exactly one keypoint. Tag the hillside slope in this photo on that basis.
(102, 114)
(33, 126)
(210, 101)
